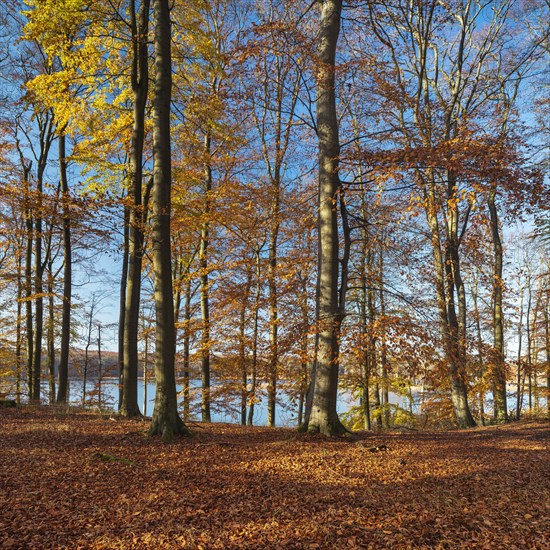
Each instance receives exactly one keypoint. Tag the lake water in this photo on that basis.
(286, 411)
(228, 408)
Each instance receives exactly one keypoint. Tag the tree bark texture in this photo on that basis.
(139, 81)
(323, 417)
(166, 420)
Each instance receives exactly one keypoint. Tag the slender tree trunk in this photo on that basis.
(18, 328)
(383, 345)
(254, 365)
(547, 346)
(122, 305)
(39, 293)
(87, 349)
(498, 366)
(479, 345)
(140, 84)
(529, 336)
(519, 396)
(242, 348)
(145, 372)
(63, 368)
(449, 322)
(273, 312)
(50, 334)
(99, 366)
(166, 420)
(25, 280)
(186, 350)
(46, 130)
(28, 300)
(205, 294)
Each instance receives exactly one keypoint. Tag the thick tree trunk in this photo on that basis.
(166, 420)
(498, 365)
(140, 84)
(63, 368)
(324, 418)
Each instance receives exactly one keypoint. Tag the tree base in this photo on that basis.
(333, 428)
(130, 412)
(168, 428)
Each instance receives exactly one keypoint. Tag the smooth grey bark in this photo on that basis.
(46, 136)
(50, 334)
(186, 350)
(138, 210)
(547, 347)
(204, 288)
(323, 417)
(498, 366)
(122, 304)
(519, 396)
(18, 331)
(166, 420)
(254, 365)
(63, 367)
(242, 346)
(27, 286)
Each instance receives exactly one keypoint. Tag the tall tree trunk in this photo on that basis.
(140, 84)
(122, 304)
(205, 294)
(324, 418)
(18, 327)
(366, 320)
(46, 137)
(99, 366)
(87, 351)
(273, 308)
(242, 347)
(519, 396)
(63, 368)
(39, 294)
(254, 365)
(498, 366)
(186, 350)
(383, 345)
(29, 325)
(529, 336)
(479, 345)
(547, 346)
(50, 334)
(448, 320)
(166, 420)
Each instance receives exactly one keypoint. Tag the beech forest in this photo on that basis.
(222, 217)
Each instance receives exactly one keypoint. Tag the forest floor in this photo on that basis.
(75, 480)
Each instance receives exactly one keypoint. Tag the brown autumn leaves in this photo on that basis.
(84, 481)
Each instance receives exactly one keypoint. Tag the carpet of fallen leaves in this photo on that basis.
(75, 480)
